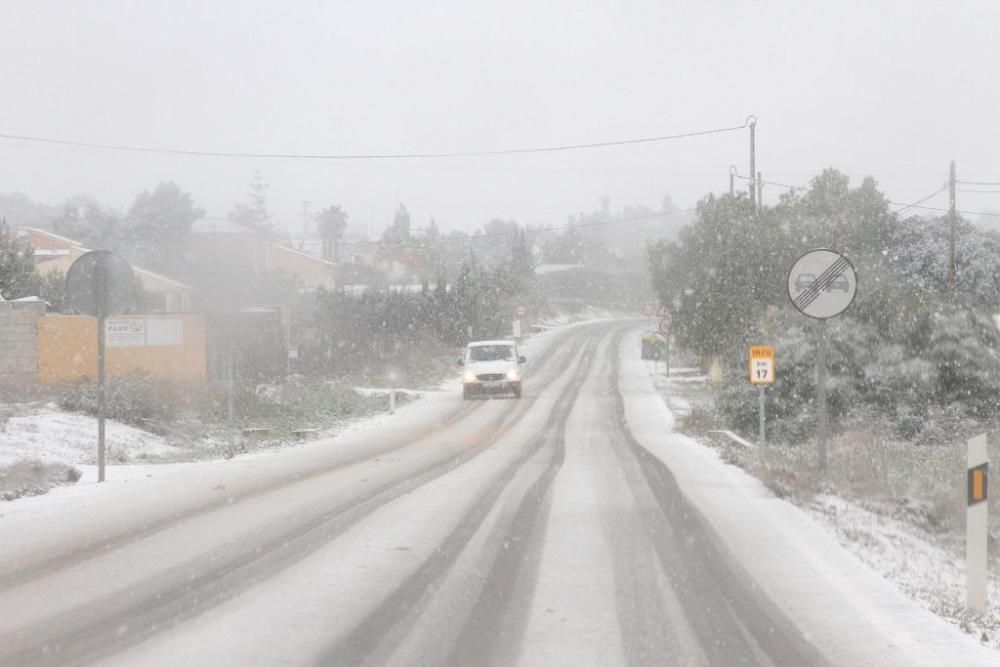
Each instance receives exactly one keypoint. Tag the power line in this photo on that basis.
(948, 210)
(916, 204)
(781, 185)
(921, 201)
(369, 156)
(983, 192)
(979, 182)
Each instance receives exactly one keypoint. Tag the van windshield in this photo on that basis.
(491, 353)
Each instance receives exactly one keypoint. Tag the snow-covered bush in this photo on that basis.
(135, 398)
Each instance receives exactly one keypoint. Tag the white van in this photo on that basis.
(491, 367)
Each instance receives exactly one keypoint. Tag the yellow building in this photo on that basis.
(167, 346)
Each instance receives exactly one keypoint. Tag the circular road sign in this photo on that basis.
(664, 326)
(822, 284)
(649, 310)
(521, 311)
(100, 283)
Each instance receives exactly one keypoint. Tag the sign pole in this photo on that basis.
(976, 526)
(763, 422)
(100, 284)
(666, 339)
(762, 373)
(822, 284)
(102, 308)
(821, 396)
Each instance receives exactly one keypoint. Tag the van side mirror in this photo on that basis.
(522, 360)
(461, 363)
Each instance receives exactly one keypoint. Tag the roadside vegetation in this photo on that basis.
(913, 367)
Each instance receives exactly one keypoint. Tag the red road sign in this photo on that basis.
(649, 309)
(664, 326)
(521, 311)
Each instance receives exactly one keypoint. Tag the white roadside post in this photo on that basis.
(976, 526)
(762, 374)
(520, 312)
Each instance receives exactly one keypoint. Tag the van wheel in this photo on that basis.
(466, 394)
(517, 390)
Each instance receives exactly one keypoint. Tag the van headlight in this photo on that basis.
(513, 374)
(468, 376)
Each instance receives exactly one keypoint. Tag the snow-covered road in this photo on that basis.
(571, 527)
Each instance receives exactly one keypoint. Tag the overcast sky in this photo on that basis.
(890, 89)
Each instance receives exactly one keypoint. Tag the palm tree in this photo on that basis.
(332, 223)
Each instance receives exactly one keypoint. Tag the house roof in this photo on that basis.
(51, 236)
(314, 258)
(61, 260)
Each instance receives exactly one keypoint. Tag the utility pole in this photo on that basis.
(760, 190)
(953, 222)
(732, 180)
(305, 223)
(753, 164)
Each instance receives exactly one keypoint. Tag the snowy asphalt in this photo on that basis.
(531, 532)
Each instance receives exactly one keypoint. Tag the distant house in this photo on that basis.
(55, 253)
(221, 237)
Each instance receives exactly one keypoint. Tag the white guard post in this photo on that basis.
(976, 526)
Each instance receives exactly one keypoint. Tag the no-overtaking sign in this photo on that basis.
(822, 284)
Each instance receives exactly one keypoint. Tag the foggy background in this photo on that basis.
(891, 89)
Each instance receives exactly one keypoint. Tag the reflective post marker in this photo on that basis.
(976, 526)
(763, 421)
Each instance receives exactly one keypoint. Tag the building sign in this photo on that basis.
(125, 332)
(165, 332)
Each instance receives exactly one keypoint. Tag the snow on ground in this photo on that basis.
(384, 391)
(50, 435)
(922, 565)
(850, 613)
(583, 316)
(909, 557)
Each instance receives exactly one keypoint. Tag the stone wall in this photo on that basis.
(19, 341)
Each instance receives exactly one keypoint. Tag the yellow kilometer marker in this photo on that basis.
(761, 364)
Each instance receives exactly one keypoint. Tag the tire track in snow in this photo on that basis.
(375, 639)
(731, 617)
(190, 589)
(96, 547)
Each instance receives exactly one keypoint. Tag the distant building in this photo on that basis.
(55, 253)
(220, 237)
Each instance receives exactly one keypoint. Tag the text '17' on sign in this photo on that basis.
(761, 364)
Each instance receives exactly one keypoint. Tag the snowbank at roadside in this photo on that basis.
(53, 436)
(898, 550)
(849, 613)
